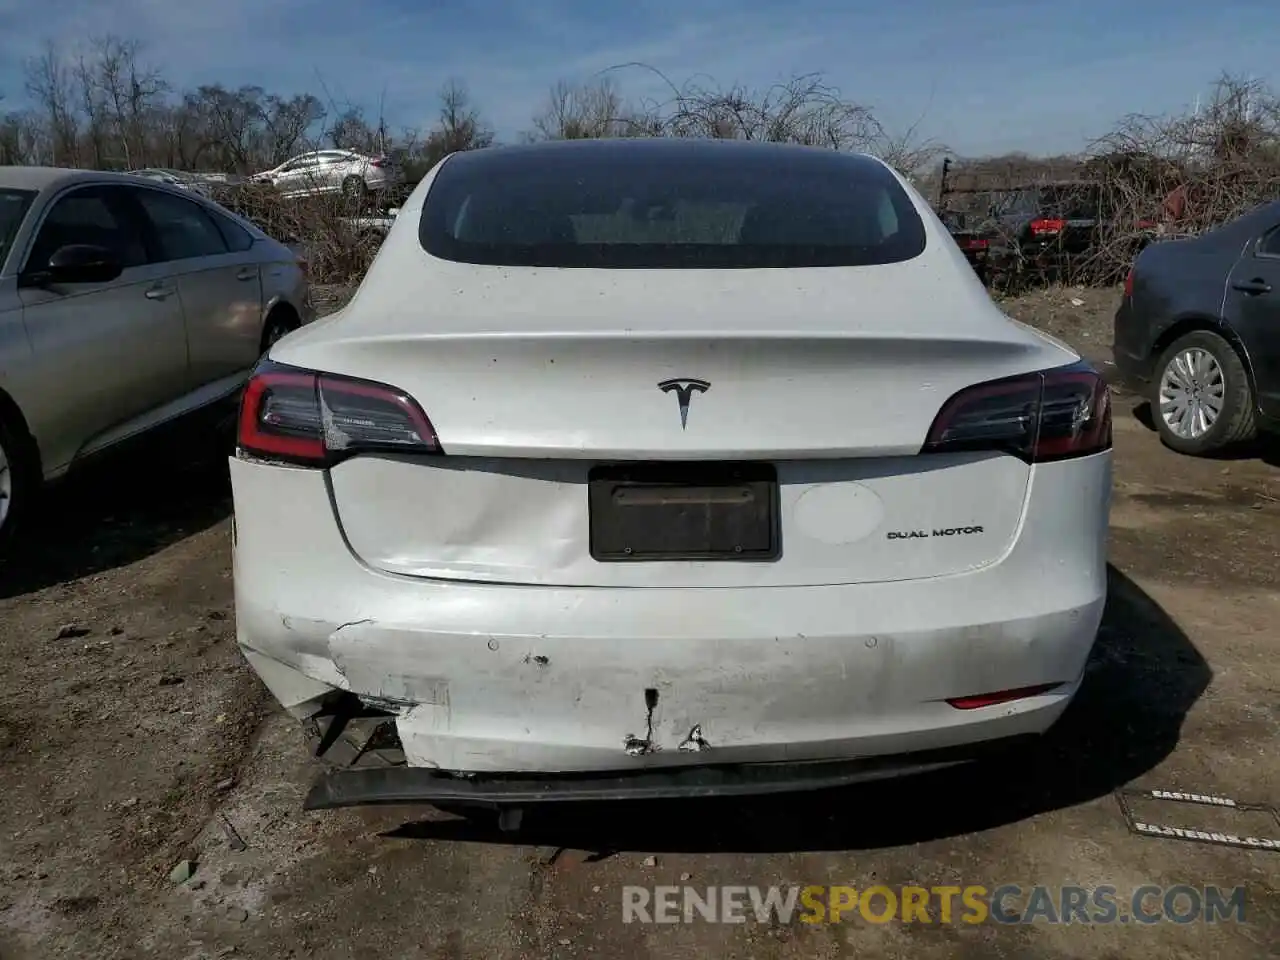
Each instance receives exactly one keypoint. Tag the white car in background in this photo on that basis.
(354, 175)
(645, 468)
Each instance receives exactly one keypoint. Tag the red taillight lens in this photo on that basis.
(1047, 227)
(378, 162)
(317, 419)
(974, 245)
(1128, 283)
(1039, 417)
(1004, 696)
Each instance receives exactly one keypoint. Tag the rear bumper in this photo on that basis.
(1131, 351)
(391, 785)
(499, 679)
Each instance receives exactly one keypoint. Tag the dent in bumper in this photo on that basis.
(497, 678)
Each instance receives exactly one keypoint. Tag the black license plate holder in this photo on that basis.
(722, 511)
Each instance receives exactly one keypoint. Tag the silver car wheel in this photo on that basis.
(1192, 393)
(6, 486)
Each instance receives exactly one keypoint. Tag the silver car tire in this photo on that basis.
(17, 482)
(1202, 399)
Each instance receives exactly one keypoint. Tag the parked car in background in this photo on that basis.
(371, 229)
(1044, 226)
(662, 467)
(124, 304)
(354, 175)
(1199, 331)
(973, 241)
(173, 178)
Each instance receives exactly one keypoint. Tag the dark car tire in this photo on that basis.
(19, 482)
(1236, 422)
(354, 188)
(279, 322)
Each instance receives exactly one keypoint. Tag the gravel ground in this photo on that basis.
(133, 738)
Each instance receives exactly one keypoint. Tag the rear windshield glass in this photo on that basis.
(665, 204)
(13, 207)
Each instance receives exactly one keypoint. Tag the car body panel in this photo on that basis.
(453, 335)
(456, 589)
(1255, 318)
(100, 363)
(1076, 204)
(325, 171)
(102, 356)
(222, 301)
(505, 521)
(495, 677)
(1186, 283)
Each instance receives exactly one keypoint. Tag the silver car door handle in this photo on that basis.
(248, 273)
(160, 293)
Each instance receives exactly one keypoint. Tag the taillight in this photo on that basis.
(1047, 227)
(1004, 696)
(378, 162)
(975, 244)
(318, 419)
(1128, 283)
(1052, 415)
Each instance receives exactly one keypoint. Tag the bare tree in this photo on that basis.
(287, 121)
(459, 126)
(48, 83)
(350, 131)
(233, 118)
(131, 92)
(584, 111)
(93, 108)
(802, 110)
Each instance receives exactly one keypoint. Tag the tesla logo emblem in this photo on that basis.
(683, 389)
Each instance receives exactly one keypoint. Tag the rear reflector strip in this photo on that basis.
(1003, 696)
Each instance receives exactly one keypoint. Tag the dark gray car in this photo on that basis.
(1200, 326)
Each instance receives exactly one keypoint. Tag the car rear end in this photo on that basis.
(1063, 223)
(614, 467)
(973, 243)
(382, 173)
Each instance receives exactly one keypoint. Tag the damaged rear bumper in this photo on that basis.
(393, 785)
(581, 687)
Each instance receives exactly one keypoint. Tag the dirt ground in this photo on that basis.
(133, 737)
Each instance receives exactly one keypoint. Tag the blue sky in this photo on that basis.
(982, 76)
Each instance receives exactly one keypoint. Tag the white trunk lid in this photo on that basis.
(532, 378)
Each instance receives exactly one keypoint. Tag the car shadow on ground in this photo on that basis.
(118, 511)
(1142, 679)
(1265, 448)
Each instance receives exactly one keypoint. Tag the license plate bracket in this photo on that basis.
(704, 511)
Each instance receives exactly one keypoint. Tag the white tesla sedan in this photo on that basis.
(662, 468)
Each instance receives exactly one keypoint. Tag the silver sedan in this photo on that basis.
(124, 304)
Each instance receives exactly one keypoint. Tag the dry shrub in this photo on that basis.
(1151, 178)
(1188, 173)
(803, 109)
(325, 229)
